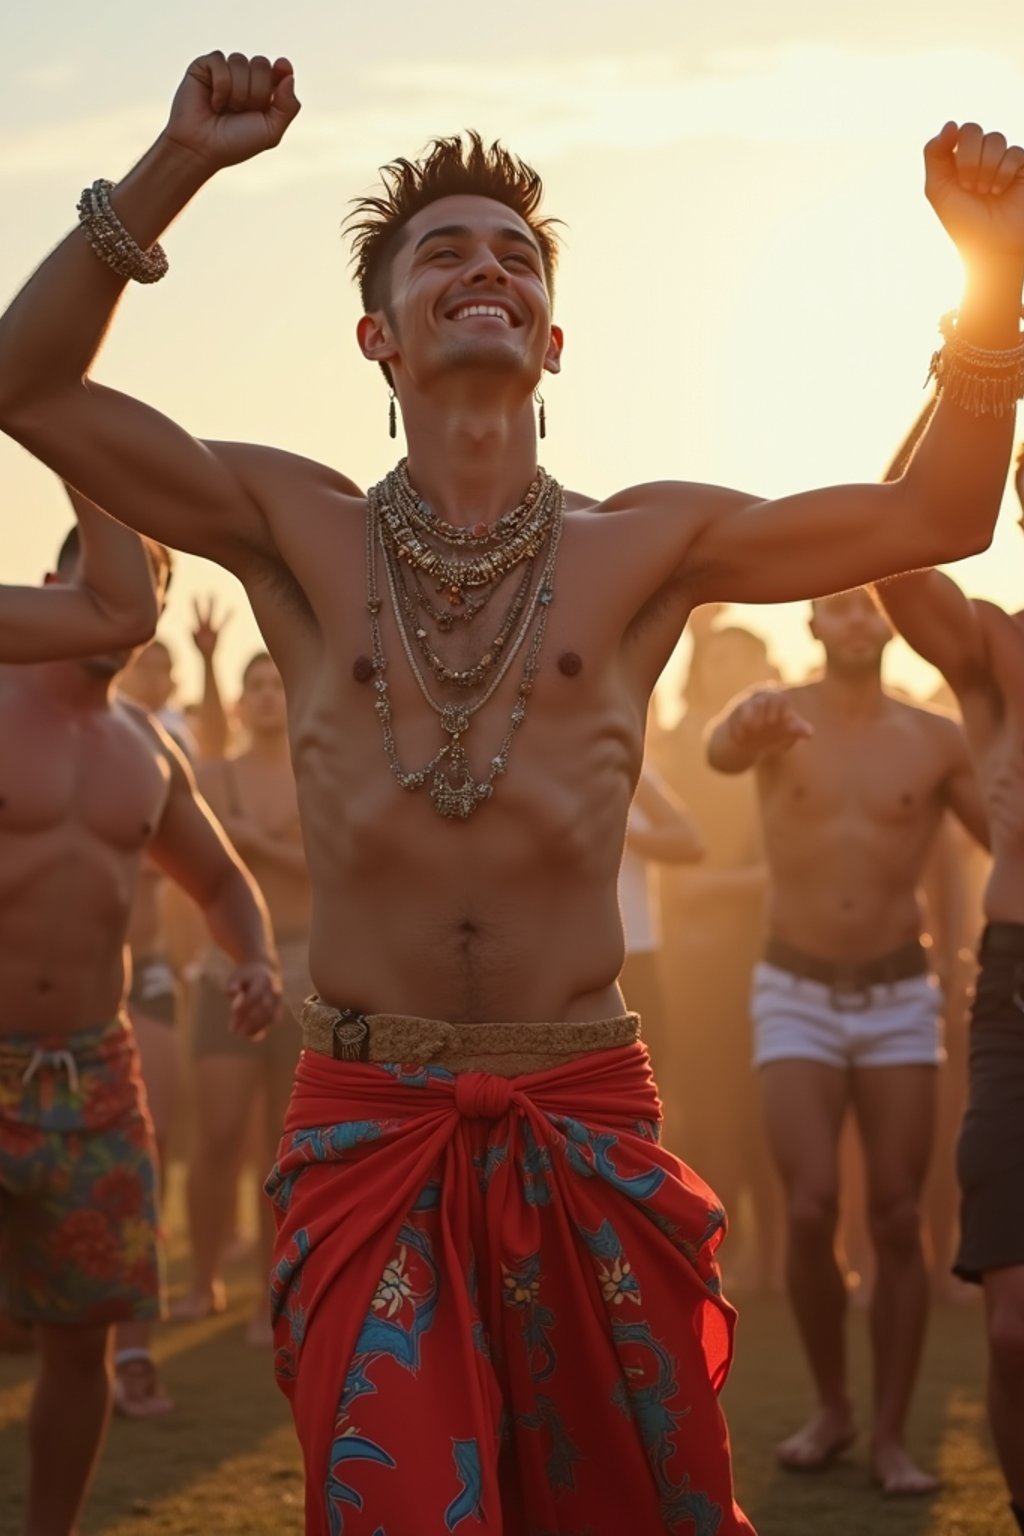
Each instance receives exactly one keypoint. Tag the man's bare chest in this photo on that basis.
(607, 568)
(264, 793)
(96, 775)
(875, 776)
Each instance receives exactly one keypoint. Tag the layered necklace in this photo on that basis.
(439, 575)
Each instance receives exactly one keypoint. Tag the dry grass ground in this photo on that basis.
(226, 1463)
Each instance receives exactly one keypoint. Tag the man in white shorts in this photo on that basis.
(853, 784)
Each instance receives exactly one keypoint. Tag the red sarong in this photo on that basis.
(497, 1307)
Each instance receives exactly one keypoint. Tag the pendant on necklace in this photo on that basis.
(455, 721)
(453, 789)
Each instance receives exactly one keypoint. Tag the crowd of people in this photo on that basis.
(488, 1231)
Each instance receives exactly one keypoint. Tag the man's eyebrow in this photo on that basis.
(461, 231)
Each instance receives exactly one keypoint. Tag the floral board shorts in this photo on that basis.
(78, 1186)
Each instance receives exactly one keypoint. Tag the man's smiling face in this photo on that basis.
(467, 290)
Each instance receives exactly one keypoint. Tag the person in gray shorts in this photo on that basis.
(853, 784)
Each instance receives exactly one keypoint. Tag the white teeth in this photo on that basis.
(482, 309)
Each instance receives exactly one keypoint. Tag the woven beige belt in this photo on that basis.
(508, 1050)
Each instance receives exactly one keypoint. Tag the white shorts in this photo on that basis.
(895, 1024)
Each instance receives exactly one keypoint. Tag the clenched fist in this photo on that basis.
(766, 721)
(227, 110)
(975, 182)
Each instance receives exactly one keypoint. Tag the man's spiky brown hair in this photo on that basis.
(451, 167)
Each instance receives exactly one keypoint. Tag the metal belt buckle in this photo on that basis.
(847, 995)
(350, 1035)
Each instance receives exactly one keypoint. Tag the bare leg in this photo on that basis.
(804, 1103)
(1004, 1308)
(767, 1210)
(224, 1089)
(277, 1088)
(66, 1426)
(137, 1389)
(259, 1332)
(856, 1256)
(896, 1113)
(942, 1196)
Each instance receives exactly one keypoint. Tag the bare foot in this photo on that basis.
(819, 1442)
(196, 1305)
(897, 1475)
(138, 1393)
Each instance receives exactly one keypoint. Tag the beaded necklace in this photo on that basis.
(494, 550)
(454, 790)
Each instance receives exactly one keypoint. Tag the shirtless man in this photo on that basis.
(853, 785)
(253, 797)
(979, 649)
(86, 784)
(463, 855)
(148, 681)
(152, 1007)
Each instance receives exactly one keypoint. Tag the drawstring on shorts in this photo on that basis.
(55, 1060)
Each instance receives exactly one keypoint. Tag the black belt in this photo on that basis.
(852, 975)
(1002, 939)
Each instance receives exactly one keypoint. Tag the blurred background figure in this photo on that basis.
(660, 831)
(253, 794)
(151, 682)
(713, 925)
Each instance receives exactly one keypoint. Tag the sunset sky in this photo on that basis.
(751, 276)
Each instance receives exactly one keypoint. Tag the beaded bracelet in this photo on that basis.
(981, 380)
(112, 242)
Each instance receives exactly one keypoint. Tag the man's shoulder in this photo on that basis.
(928, 718)
(675, 496)
(265, 471)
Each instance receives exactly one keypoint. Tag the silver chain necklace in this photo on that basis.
(454, 789)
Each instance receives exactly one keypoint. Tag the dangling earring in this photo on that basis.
(392, 416)
(542, 419)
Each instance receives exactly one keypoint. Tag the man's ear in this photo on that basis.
(553, 355)
(376, 341)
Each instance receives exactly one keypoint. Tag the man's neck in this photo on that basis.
(855, 694)
(268, 747)
(471, 461)
(73, 684)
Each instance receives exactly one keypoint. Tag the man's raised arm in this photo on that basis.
(123, 455)
(106, 598)
(945, 503)
(927, 607)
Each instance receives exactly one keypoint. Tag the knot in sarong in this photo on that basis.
(482, 1095)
